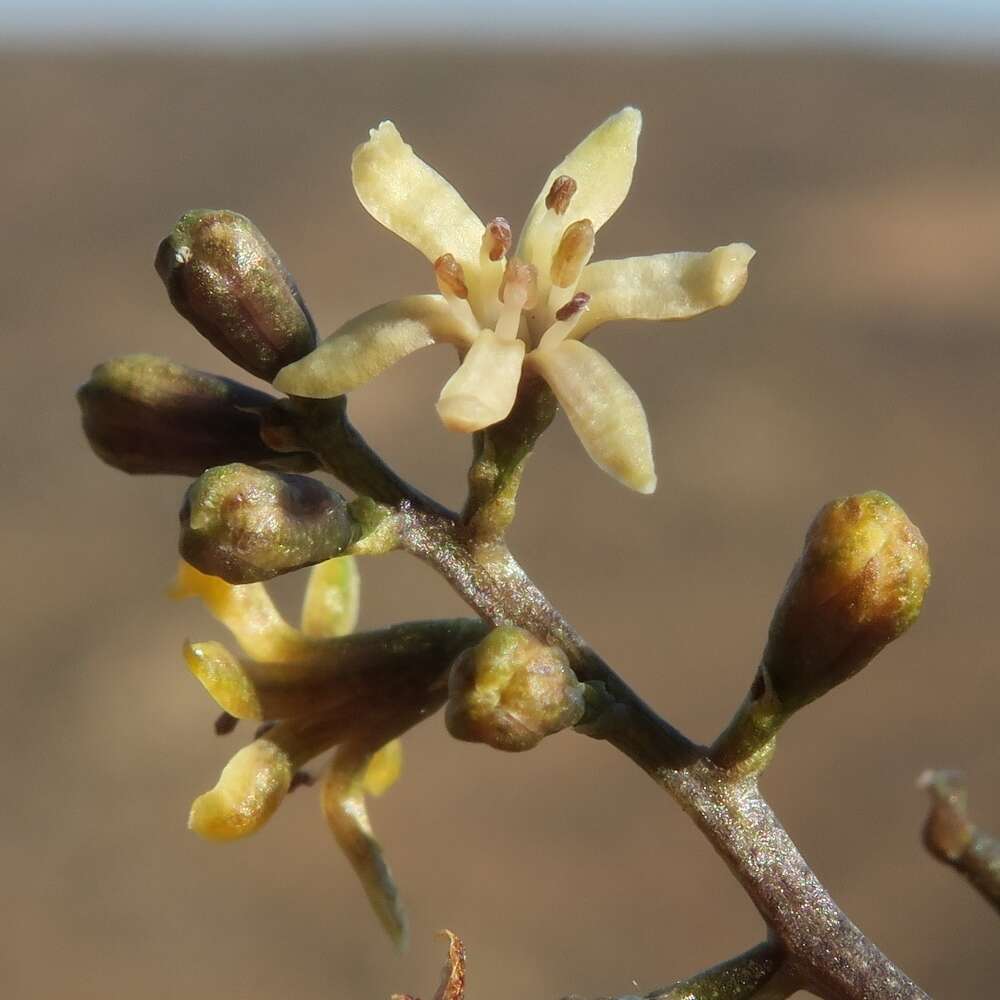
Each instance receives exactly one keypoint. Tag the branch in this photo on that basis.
(954, 840)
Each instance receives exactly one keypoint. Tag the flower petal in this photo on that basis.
(343, 800)
(332, 600)
(369, 344)
(413, 200)
(603, 408)
(666, 286)
(483, 389)
(247, 611)
(602, 167)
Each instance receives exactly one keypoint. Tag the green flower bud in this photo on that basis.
(145, 414)
(859, 584)
(510, 691)
(224, 278)
(245, 525)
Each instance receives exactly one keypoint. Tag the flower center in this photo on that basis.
(535, 300)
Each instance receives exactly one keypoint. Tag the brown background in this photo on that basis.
(863, 354)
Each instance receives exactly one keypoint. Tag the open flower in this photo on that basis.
(527, 310)
(317, 688)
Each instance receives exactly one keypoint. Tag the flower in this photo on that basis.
(316, 688)
(529, 310)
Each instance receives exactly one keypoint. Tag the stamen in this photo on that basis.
(225, 724)
(450, 277)
(451, 284)
(497, 239)
(566, 318)
(560, 194)
(573, 252)
(518, 290)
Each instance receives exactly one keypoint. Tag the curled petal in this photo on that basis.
(603, 408)
(369, 344)
(247, 794)
(665, 286)
(602, 167)
(413, 200)
(343, 801)
(483, 389)
(247, 611)
(332, 600)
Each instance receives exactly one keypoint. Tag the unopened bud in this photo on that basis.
(859, 584)
(224, 278)
(510, 691)
(245, 525)
(145, 414)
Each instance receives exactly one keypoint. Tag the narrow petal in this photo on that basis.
(344, 806)
(250, 789)
(247, 611)
(332, 600)
(369, 344)
(413, 200)
(666, 286)
(384, 768)
(602, 167)
(256, 780)
(483, 389)
(224, 678)
(603, 408)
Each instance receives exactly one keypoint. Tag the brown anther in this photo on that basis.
(575, 306)
(301, 778)
(517, 274)
(560, 194)
(574, 250)
(225, 724)
(450, 276)
(498, 238)
(264, 728)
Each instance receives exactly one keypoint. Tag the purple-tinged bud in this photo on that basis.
(246, 525)
(859, 584)
(510, 691)
(146, 414)
(224, 278)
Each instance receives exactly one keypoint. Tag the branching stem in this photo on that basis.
(823, 950)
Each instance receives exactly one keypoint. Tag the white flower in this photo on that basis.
(528, 310)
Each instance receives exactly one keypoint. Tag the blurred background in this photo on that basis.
(854, 145)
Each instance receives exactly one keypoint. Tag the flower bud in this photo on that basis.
(246, 525)
(859, 583)
(145, 414)
(223, 277)
(510, 691)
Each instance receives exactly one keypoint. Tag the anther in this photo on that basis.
(497, 239)
(573, 252)
(264, 728)
(300, 779)
(450, 277)
(518, 290)
(225, 724)
(560, 194)
(574, 307)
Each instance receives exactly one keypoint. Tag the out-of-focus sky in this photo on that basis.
(922, 24)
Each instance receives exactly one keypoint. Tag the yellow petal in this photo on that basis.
(665, 286)
(384, 768)
(343, 800)
(333, 598)
(602, 167)
(483, 389)
(413, 200)
(247, 794)
(224, 678)
(369, 344)
(247, 611)
(603, 408)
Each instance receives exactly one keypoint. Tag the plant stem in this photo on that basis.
(824, 949)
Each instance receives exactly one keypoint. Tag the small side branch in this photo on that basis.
(951, 838)
(757, 974)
